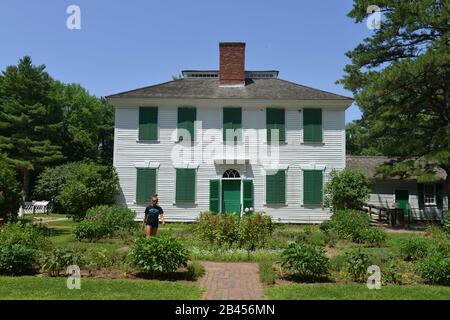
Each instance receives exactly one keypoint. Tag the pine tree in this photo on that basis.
(400, 77)
(30, 119)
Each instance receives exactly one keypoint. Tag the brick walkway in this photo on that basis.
(231, 281)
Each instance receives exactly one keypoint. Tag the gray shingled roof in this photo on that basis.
(368, 165)
(208, 88)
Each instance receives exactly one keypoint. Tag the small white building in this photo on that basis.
(422, 201)
(229, 141)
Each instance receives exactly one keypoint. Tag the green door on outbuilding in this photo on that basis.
(231, 196)
(402, 200)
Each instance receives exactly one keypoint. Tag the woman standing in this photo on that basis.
(151, 219)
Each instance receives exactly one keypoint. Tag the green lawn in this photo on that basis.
(356, 292)
(44, 288)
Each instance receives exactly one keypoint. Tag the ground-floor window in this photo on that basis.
(145, 184)
(276, 187)
(312, 187)
(429, 194)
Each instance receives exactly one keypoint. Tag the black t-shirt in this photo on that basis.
(152, 212)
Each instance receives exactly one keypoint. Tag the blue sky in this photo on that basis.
(124, 45)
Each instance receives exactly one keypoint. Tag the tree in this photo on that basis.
(347, 189)
(358, 142)
(400, 77)
(29, 119)
(10, 196)
(87, 126)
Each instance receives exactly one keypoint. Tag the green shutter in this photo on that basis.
(312, 187)
(312, 125)
(214, 196)
(248, 194)
(275, 119)
(276, 188)
(420, 194)
(148, 123)
(186, 121)
(145, 184)
(440, 195)
(185, 186)
(232, 119)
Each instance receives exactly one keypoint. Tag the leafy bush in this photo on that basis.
(10, 194)
(17, 259)
(435, 269)
(357, 264)
(267, 273)
(305, 261)
(25, 235)
(373, 236)
(255, 230)
(104, 221)
(228, 230)
(347, 189)
(326, 226)
(158, 255)
(75, 187)
(414, 248)
(58, 260)
(195, 271)
(347, 222)
(391, 273)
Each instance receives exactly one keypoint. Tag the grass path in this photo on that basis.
(44, 288)
(356, 292)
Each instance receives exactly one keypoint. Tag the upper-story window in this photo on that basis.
(186, 123)
(148, 123)
(312, 125)
(275, 124)
(232, 124)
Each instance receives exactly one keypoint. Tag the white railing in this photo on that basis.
(35, 207)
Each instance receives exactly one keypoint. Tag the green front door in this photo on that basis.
(402, 199)
(231, 196)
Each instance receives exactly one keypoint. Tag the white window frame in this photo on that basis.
(425, 198)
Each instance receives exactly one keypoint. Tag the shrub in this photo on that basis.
(414, 248)
(267, 273)
(435, 269)
(58, 260)
(158, 255)
(373, 236)
(347, 189)
(10, 194)
(349, 223)
(391, 273)
(17, 259)
(255, 230)
(305, 261)
(104, 221)
(95, 258)
(195, 271)
(76, 187)
(326, 226)
(357, 264)
(228, 230)
(25, 235)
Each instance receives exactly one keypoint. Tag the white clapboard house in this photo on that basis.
(229, 141)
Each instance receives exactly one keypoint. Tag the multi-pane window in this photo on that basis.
(429, 193)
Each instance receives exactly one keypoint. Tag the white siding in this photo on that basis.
(294, 153)
(383, 194)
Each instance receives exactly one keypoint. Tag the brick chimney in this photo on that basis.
(232, 63)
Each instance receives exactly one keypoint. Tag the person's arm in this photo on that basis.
(145, 219)
(162, 217)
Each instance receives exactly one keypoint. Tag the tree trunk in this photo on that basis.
(447, 187)
(26, 185)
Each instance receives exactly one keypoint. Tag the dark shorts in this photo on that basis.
(152, 221)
